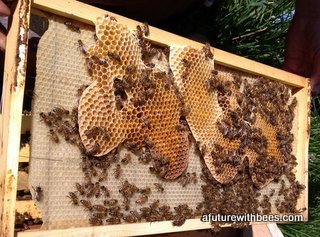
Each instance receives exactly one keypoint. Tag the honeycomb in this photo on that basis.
(228, 102)
(56, 166)
(156, 117)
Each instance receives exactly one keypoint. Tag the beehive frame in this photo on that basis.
(13, 89)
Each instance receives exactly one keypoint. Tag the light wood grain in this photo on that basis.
(13, 90)
(13, 105)
(88, 14)
(303, 97)
(120, 230)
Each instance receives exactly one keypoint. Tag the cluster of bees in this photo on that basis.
(239, 196)
(96, 172)
(23, 221)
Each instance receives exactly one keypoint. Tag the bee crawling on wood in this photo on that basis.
(207, 51)
(38, 193)
(72, 27)
(139, 32)
(146, 29)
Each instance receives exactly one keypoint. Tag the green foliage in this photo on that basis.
(253, 28)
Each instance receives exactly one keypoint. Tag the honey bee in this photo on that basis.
(114, 56)
(46, 119)
(97, 192)
(90, 190)
(130, 69)
(154, 205)
(112, 18)
(111, 202)
(207, 51)
(301, 210)
(129, 218)
(146, 29)
(99, 215)
(117, 171)
(54, 137)
(74, 198)
(114, 211)
(119, 102)
(99, 60)
(146, 122)
(99, 208)
(141, 199)
(159, 187)
(272, 192)
(80, 188)
(126, 204)
(145, 191)
(179, 220)
(82, 47)
(114, 220)
(139, 32)
(95, 221)
(126, 159)
(103, 176)
(132, 146)
(150, 65)
(92, 132)
(72, 27)
(185, 111)
(184, 74)
(128, 82)
(160, 75)
(93, 150)
(149, 143)
(86, 204)
(60, 111)
(105, 191)
(38, 193)
(186, 63)
(136, 215)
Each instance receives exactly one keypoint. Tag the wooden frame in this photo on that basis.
(14, 80)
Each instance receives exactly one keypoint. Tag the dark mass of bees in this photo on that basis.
(242, 130)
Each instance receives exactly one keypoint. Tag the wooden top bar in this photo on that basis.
(88, 14)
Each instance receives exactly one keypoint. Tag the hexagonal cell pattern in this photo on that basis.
(148, 109)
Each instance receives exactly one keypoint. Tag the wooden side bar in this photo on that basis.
(88, 14)
(12, 100)
(304, 100)
(121, 230)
